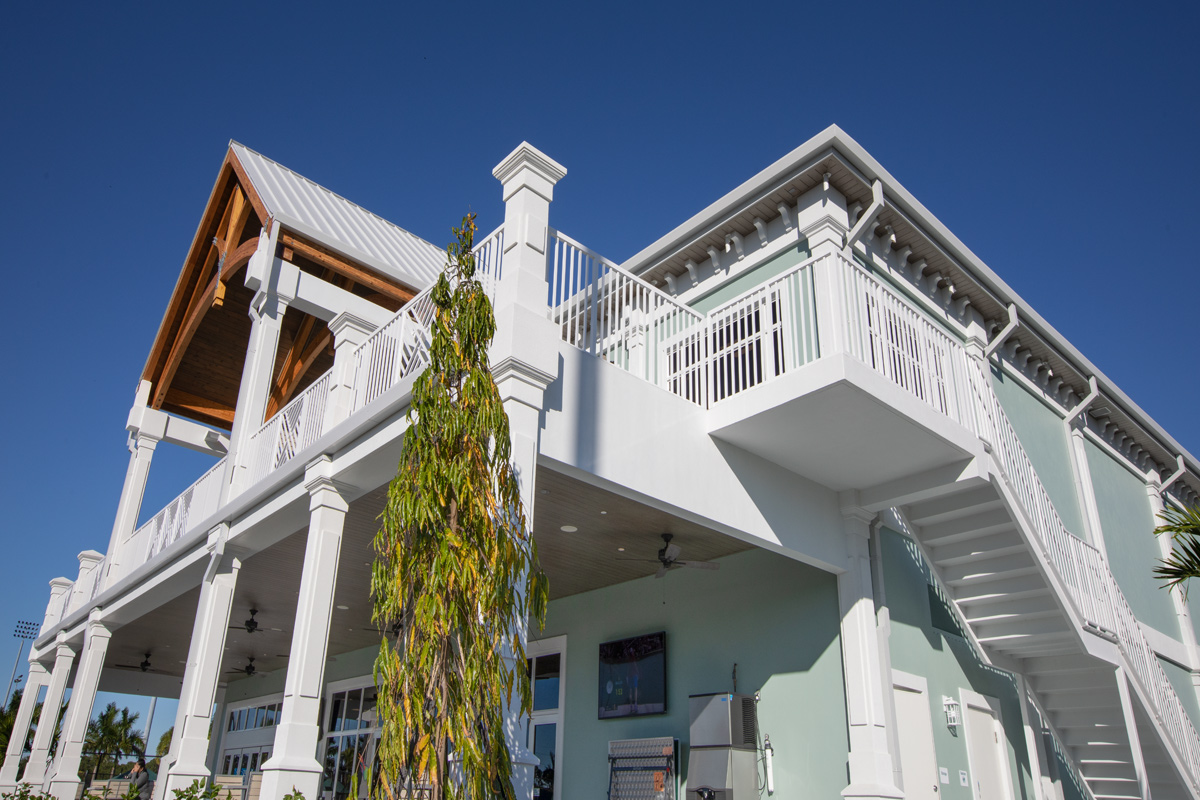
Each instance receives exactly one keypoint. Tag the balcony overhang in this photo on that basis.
(840, 424)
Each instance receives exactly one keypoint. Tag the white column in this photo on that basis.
(146, 431)
(524, 357)
(218, 730)
(187, 759)
(1083, 485)
(89, 562)
(37, 678)
(293, 761)
(348, 332)
(56, 608)
(1033, 738)
(871, 773)
(266, 312)
(79, 711)
(35, 768)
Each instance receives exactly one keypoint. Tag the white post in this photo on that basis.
(1084, 492)
(1033, 737)
(349, 332)
(871, 773)
(37, 678)
(187, 759)
(146, 431)
(56, 608)
(79, 712)
(293, 761)
(89, 562)
(524, 356)
(35, 767)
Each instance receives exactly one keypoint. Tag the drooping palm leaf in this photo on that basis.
(1183, 526)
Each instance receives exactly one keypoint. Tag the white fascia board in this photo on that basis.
(354, 254)
(835, 139)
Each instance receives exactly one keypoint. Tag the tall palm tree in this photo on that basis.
(8, 717)
(111, 733)
(1183, 524)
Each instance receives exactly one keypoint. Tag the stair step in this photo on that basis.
(975, 526)
(977, 577)
(1056, 701)
(1018, 563)
(970, 549)
(955, 506)
(1033, 608)
(986, 631)
(1108, 770)
(1037, 667)
(989, 592)
(1086, 717)
(1073, 682)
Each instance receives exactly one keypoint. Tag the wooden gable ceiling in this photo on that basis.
(195, 365)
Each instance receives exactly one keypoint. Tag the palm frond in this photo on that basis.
(1183, 526)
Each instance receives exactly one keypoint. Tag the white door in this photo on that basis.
(914, 730)
(986, 749)
(547, 662)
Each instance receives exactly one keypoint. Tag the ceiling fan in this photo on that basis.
(668, 558)
(249, 670)
(144, 666)
(251, 625)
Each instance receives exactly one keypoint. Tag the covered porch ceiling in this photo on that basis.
(615, 539)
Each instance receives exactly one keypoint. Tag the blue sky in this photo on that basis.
(1058, 142)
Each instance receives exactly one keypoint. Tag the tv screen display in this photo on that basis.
(633, 676)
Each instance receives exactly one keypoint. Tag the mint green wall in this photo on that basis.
(1040, 430)
(747, 281)
(1181, 681)
(1126, 522)
(777, 619)
(948, 662)
(355, 664)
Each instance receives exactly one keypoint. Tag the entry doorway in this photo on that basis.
(914, 732)
(987, 753)
(546, 662)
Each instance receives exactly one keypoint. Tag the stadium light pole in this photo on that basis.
(23, 631)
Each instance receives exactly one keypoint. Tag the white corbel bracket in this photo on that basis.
(1001, 337)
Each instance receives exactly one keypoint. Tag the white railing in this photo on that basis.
(773, 329)
(195, 503)
(488, 256)
(606, 311)
(295, 427)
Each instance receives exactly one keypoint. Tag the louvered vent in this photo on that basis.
(749, 723)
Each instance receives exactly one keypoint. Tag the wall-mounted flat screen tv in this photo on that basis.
(633, 676)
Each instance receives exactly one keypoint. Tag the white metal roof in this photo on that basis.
(331, 220)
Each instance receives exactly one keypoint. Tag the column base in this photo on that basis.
(282, 776)
(8, 777)
(873, 791)
(35, 771)
(64, 788)
(181, 776)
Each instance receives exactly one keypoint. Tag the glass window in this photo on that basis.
(336, 711)
(253, 761)
(245, 764)
(241, 720)
(225, 767)
(270, 716)
(260, 716)
(543, 748)
(545, 682)
(367, 718)
(353, 701)
(232, 720)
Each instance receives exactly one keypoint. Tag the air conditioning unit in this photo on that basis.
(723, 747)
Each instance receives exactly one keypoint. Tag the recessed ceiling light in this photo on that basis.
(343, 608)
(543, 491)
(620, 549)
(603, 512)
(568, 529)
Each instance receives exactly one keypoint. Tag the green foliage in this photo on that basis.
(198, 791)
(295, 794)
(8, 717)
(109, 735)
(25, 792)
(456, 568)
(1183, 525)
(164, 742)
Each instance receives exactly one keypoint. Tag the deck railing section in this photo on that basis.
(764, 333)
(293, 428)
(608, 312)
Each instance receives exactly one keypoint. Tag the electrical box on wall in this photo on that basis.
(723, 747)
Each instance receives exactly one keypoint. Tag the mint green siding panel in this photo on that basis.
(776, 619)
(1126, 522)
(1181, 682)
(755, 277)
(921, 644)
(1041, 433)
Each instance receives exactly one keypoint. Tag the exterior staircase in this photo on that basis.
(1035, 598)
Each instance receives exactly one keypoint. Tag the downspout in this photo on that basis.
(1084, 403)
(1002, 336)
(1174, 476)
(868, 217)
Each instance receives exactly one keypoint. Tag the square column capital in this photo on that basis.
(526, 167)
